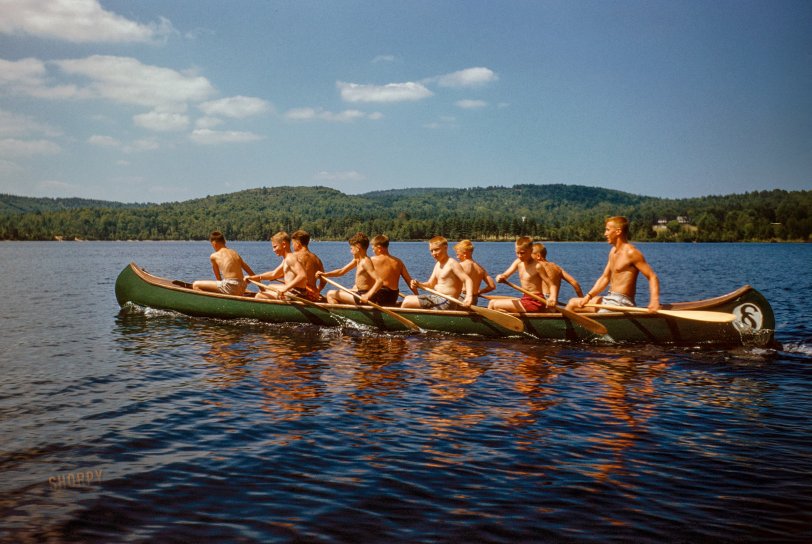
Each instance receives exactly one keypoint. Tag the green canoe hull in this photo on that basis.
(754, 326)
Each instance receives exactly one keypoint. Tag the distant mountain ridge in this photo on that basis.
(10, 204)
(555, 212)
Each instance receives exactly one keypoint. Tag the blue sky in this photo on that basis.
(163, 101)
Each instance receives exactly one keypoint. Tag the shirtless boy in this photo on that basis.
(227, 266)
(390, 269)
(464, 250)
(554, 271)
(367, 281)
(290, 269)
(311, 263)
(625, 264)
(531, 278)
(448, 278)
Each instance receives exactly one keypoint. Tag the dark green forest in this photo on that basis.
(545, 212)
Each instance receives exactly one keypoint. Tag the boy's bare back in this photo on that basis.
(228, 262)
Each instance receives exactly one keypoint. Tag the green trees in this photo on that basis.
(555, 212)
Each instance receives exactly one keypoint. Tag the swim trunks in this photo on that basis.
(435, 302)
(616, 299)
(386, 297)
(532, 305)
(312, 296)
(231, 286)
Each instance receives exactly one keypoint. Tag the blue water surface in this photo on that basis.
(149, 426)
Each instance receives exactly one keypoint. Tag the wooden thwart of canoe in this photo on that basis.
(696, 315)
(587, 323)
(500, 318)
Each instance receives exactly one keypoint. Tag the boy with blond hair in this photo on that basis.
(464, 250)
(447, 277)
(290, 269)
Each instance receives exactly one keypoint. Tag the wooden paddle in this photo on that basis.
(696, 315)
(589, 324)
(500, 318)
(387, 311)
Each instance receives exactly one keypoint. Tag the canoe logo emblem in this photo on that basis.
(749, 314)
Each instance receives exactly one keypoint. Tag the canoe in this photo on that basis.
(754, 324)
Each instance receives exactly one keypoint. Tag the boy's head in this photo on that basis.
(280, 242)
(464, 245)
(539, 251)
(619, 222)
(523, 247)
(380, 240)
(438, 246)
(463, 249)
(301, 237)
(216, 237)
(360, 240)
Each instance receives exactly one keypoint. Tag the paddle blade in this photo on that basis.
(500, 318)
(701, 315)
(589, 324)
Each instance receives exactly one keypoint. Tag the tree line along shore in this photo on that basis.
(544, 212)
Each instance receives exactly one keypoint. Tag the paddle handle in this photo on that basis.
(696, 315)
(618, 308)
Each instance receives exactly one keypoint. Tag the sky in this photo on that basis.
(156, 101)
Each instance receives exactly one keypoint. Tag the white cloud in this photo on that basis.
(383, 58)
(470, 77)
(77, 21)
(145, 144)
(21, 75)
(391, 92)
(208, 122)
(126, 80)
(137, 146)
(13, 124)
(346, 116)
(161, 121)
(349, 175)
(235, 106)
(12, 147)
(471, 104)
(103, 141)
(212, 137)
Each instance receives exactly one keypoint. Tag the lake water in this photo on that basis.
(148, 426)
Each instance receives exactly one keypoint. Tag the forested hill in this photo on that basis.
(554, 212)
(11, 204)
